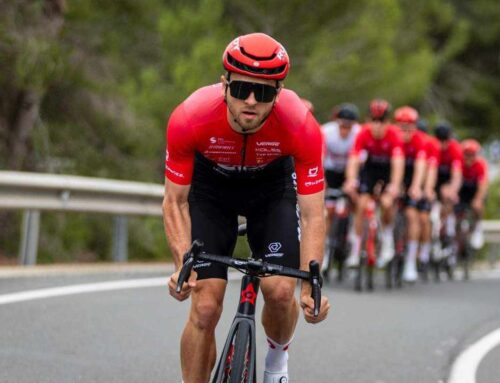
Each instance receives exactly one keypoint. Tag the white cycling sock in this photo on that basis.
(425, 250)
(450, 225)
(355, 243)
(388, 231)
(277, 357)
(412, 251)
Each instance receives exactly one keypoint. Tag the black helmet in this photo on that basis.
(348, 111)
(422, 125)
(443, 130)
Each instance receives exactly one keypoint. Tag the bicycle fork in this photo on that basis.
(245, 313)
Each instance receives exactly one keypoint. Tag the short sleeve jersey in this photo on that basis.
(476, 173)
(337, 149)
(432, 149)
(200, 125)
(414, 149)
(381, 150)
(450, 158)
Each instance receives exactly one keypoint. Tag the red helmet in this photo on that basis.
(471, 146)
(406, 115)
(256, 55)
(379, 109)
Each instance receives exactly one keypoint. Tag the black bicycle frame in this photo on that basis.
(246, 312)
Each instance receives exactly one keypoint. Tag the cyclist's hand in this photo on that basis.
(186, 289)
(477, 204)
(307, 304)
(430, 194)
(415, 193)
(349, 187)
(392, 189)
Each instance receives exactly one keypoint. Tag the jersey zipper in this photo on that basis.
(243, 152)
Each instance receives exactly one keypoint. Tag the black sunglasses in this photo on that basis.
(262, 92)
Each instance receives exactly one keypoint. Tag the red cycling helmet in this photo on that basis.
(256, 55)
(406, 115)
(471, 146)
(379, 109)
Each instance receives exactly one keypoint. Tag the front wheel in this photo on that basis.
(241, 361)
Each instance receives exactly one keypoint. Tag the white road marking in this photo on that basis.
(52, 292)
(465, 366)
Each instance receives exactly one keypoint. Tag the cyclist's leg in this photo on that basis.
(413, 227)
(425, 232)
(273, 234)
(218, 230)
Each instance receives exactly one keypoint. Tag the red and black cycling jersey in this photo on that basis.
(379, 150)
(475, 173)
(200, 125)
(415, 148)
(450, 157)
(432, 149)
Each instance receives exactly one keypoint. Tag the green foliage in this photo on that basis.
(116, 70)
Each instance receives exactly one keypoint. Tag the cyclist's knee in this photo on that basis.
(280, 294)
(205, 313)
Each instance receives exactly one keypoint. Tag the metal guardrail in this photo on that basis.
(36, 192)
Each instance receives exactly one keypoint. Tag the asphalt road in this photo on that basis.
(132, 335)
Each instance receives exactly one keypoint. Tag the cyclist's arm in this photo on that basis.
(312, 228)
(455, 179)
(482, 189)
(418, 174)
(176, 219)
(397, 169)
(430, 181)
(352, 168)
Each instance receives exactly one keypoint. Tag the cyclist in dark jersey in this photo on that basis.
(248, 147)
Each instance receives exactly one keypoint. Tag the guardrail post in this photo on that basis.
(29, 237)
(493, 248)
(120, 239)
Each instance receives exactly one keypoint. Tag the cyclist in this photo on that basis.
(232, 149)
(384, 164)
(449, 175)
(432, 148)
(415, 156)
(339, 137)
(474, 186)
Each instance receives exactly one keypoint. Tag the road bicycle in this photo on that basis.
(337, 243)
(237, 362)
(394, 268)
(466, 222)
(369, 248)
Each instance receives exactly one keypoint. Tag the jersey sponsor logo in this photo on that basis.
(213, 140)
(268, 143)
(313, 172)
(175, 173)
(312, 183)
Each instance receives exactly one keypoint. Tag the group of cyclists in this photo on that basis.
(247, 146)
(397, 160)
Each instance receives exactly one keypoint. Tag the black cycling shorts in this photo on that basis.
(371, 175)
(467, 193)
(334, 179)
(268, 200)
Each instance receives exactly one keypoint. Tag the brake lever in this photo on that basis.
(316, 286)
(187, 264)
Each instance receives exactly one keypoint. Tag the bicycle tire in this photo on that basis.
(241, 362)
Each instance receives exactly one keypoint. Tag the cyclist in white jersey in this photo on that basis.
(339, 136)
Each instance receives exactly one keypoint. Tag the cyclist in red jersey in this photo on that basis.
(474, 186)
(415, 161)
(449, 174)
(248, 147)
(432, 148)
(384, 165)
